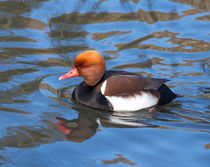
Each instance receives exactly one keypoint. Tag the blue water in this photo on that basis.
(165, 39)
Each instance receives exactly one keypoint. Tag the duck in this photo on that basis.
(112, 90)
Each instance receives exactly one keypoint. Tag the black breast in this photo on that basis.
(91, 96)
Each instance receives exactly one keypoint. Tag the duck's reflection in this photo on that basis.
(78, 130)
(86, 125)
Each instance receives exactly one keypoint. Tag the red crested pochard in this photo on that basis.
(115, 90)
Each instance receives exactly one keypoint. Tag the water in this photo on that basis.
(42, 126)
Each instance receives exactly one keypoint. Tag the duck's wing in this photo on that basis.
(120, 85)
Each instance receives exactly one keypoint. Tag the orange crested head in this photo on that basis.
(90, 65)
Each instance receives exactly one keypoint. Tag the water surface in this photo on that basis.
(42, 126)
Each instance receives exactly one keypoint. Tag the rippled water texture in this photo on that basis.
(40, 124)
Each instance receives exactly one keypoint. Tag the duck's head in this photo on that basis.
(90, 65)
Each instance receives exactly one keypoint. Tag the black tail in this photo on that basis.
(166, 95)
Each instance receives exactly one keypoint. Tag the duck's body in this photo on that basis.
(115, 90)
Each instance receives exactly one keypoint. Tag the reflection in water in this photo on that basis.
(19, 7)
(201, 5)
(27, 137)
(105, 17)
(31, 51)
(78, 130)
(65, 35)
(101, 36)
(11, 38)
(85, 126)
(5, 76)
(195, 45)
(8, 22)
(14, 7)
(120, 159)
(13, 110)
(50, 62)
(165, 39)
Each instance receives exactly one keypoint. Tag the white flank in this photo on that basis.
(134, 103)
(103, 87)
